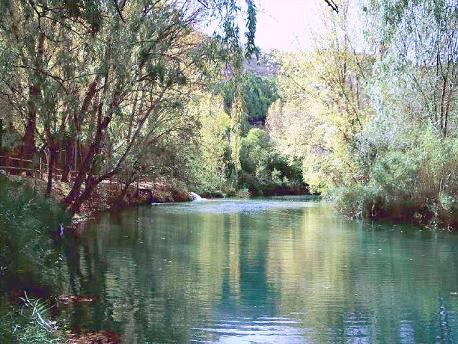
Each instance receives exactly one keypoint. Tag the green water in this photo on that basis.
(262, 271)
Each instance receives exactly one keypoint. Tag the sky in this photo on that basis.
(287, 25)
(294, 25)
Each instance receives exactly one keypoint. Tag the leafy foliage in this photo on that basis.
(258, 94)
(27, 221)
(29, 324)
(265, 171)
(378, 131)
(209, 158)
(101, 81)
(223, 160)
(28, 260)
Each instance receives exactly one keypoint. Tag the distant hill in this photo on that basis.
(265, 66)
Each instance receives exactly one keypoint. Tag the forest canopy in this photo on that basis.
(88, 85)
(96, 91)
(372, 117)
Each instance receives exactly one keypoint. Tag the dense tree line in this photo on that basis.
(370, 118)
(373, 118)
(99, 81)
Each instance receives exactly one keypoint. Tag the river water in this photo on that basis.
(281, 270)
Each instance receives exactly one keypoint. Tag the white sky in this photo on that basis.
(287, 24)
(294, 25)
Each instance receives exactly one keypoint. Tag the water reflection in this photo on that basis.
(262, 271)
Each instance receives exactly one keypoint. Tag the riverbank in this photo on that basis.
(110, 196)
(429, 211)
(31, 237)
(29, 262)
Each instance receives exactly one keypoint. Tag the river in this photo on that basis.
(281, 270)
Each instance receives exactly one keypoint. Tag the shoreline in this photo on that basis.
(105, 200)
(110, 196)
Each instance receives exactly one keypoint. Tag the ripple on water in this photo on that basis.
(262, 271)
(241, 206)
(259, 330)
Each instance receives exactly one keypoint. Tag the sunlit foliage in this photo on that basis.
(377, 126)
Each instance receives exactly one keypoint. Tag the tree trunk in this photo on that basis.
(75, 206)
(1, 134)
(86, 166)
(29, 147)
(28, 141)
(69, 145)
(123, 193)
(51, 162)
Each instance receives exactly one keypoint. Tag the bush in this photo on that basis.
(26, 222)
(243, 193)
(358, 201)
(264, 171)
(418, 184)
(28, 261)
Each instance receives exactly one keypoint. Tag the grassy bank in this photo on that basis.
(28, 262)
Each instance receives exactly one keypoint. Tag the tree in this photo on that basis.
(418, 47)
(323, 107)
(258, 94)
(105, 80)
(375, 126)
(208, 157)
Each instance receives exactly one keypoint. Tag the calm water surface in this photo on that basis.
(262, 271)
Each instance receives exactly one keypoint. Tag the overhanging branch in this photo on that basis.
(333, 5)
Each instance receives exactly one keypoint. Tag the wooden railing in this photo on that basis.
(13, 165)
(16, 166)
(9, 163)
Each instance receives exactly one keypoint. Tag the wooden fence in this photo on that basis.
(13, 165)
(17, 166)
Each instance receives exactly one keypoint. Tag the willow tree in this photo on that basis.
(417, 59)
(105, 80)
(324, 106)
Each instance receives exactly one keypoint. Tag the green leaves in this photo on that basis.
(112, 78)
(375, 128)
(27, 220)
(250, 33)
(258, 93)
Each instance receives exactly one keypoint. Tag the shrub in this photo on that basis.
(418, 184)
(26, 222)
(357, 201)
(264, 170)
(28, 261)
